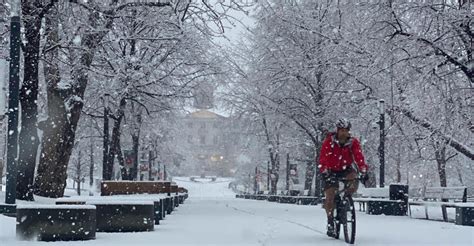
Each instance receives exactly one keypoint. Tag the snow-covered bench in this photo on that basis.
(262, 195)
(126, 187)
(118, 213)
(364, 195)
(390, 200)
(301, 197)
(49, 222)
(444, 197)
(159, 206)
(306, 199)
(288, 197)
(121, 216)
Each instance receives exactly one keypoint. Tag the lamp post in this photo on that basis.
(382, 142)
(106, 170)
(165, 177)
(268, 175)
(91, 169)
(288, 173)
(150, 165)
(159, 171)
(13, 93)
(255, 184)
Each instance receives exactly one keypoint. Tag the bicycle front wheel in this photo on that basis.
(337, 217)
(349, 224)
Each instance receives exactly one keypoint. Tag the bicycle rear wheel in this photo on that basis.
(349, 223)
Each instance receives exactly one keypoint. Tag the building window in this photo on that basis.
(202, 139)
(216, 140)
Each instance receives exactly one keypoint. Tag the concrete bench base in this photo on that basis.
(176, 201)
(8, 209)
(158, 206)
(124, 217)
(308, 200)
(169, 205)
(387, 207)
(465, 216)
(273, 198)
(163, 204)
(55, 223)
(288, 199)
(261, 197)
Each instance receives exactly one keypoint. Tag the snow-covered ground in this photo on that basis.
(212, 216)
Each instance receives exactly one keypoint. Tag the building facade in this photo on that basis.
(206, 144)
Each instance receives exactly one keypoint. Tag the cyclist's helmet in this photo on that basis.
(343, 123)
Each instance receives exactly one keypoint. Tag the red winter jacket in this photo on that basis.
(335, 158)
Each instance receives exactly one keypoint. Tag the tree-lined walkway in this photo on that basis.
(212, 216)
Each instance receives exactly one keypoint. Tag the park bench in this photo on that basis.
(125, 187)
(183, 194)
(275, 197)
(392, 200)
(288, 197)
(146, 187)
(8, 209)
(262, 195)
(124, 216)
(444, 197)
(159, 208)
(292, 197)
(306, 199)
(55, 222)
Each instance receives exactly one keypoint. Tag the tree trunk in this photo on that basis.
(136, 141)
(398, 161)
(106, 171)
(1, 172)
(274, 157)
(79, 173)
(91, 169)
(317, 180)
(64, 109)
(134, 170)
(275, 162)
(440, 154)
(57, 141)
(308, 180)
(28, 138)
(115, 141)
(458, 170)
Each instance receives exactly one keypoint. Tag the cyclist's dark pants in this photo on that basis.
(331, 188)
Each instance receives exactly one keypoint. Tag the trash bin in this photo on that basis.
(399, 192)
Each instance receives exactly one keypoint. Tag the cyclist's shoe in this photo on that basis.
(331, 231)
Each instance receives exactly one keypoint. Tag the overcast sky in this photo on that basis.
(234, 33)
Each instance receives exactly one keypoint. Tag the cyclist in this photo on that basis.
(338, 153)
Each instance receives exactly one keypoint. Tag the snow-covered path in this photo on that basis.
(212, 216)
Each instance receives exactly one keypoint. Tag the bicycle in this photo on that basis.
(345, 214)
